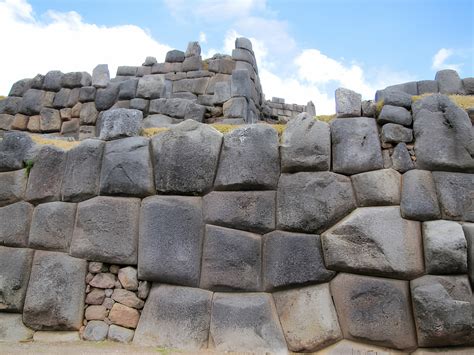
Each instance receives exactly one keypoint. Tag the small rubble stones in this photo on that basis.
(128, 278)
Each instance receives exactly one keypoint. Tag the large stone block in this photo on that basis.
(151, 86)
(401, 158)
(427, 87)
(44, 181)
(55, 294)
(15, 224)
(245, 322)
(231, 260)
(449, 82)
(291, 259)
(12, 186)
(348, 103)
(106, 97)
(455, 195)
(235, 107)
(32, 102)
(52, 226)
(196, 147)
(248, 210)
(10, 105)
(120, 123)
(126, 168)
(468, 229)
(445, 248)
(13, 330)
(52, 80)
(15, 267)
(375, 241)
(443, 134)
(377, 188)
(196, 86)
(81, 177)
(305, 145)
(419, 200)
(171, 234)
(61, 98)
(88, 114)
(312, 202)
(76, 79)
(175, 317)
(107, 230)
(394, 98)
(50, 121)
(374, 310)
(128, 89)
(15, 149)
(249, 159)
(308, 318)
(241, 84)
(174, 107)
(174, 56)
(395, 133)
(355, 145)
(19, 88)
(442, 307)
(395, 114)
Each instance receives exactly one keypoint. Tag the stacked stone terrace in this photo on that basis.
(348, 236)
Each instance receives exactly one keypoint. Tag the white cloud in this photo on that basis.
(439, 60)
(202, 37)
(65, 42)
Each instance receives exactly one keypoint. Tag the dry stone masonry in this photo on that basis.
(346, 236)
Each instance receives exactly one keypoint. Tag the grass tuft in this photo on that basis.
(463, 101)
(65, 145)
(2, 97)
(150, 132)
(378, 107)
(326, 118)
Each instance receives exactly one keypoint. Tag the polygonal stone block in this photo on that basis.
(377, 188)
(12, 186)
(455, 195)
(15, 224)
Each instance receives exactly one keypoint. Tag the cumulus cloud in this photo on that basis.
(63, 41)
(440, 58)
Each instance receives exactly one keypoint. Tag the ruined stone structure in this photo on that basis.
(358, 234)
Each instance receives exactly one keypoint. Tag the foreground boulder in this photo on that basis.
(442, 306)
(374, 310)
(120, 123)
(375, 241)
(245, 322)
(348, 103)
(55, 295)
(175, 317)
(15, 149)
(312, 202)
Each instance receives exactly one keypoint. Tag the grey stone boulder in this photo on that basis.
(442, 307)
(87, 94)
(355, 145)
(55, 294)
(82, 173)
(12, 186)
(46, 175)
(235, 107)
(50, 120)
(308, 318)
(253, 211)
(395, 114)
(468, 84)
(455, 195)
(395, 133)
(249, 159)
(88, 114)
(468, 229)
(193, 49)
(449, 82)
(291, 259)
(15, 149)
(140, 104)
(95, 330)
(15, 224)
(409, 88)
(158, 120)
(419, 201)
(120, 123)
(174, 56)
(375, 241)
(52, 226)
(427, 87)
(128, 278)
(242, 42)
(120, 334)
(348, 103)
(305, 145)
(15, 267)
(375, 310)
(52, 80)
(312, 202)
(174, 107)
(126, 168)
(175, 317)
(196, 147)
(171, 237)
(19, 88)
(443, 135)
(401, 159)
(245, 322)
(76, 80)
(13, 330)
(241, 84)
(231, 260)
(106, 230)
(10, 105)
(106, 97)
(445, 248)
(221, 92)
(61, 98)
(151, 86)
(394, 98)
(377, 188)
(32, 102)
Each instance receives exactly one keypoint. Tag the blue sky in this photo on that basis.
(305, 49)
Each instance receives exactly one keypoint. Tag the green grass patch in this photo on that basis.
(326, 118)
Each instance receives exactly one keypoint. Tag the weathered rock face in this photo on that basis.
(231, 260)
(374, 310)
(12, 186)
(375, 241)
(15, 148)
(394, 114)
(355, 145)
(15, 224)
(305, 145)
(312, 202)
(442, 306)
(119, 123)
(55, 295)
(377, 188)
(308, 318)
(106, 230)
(245, 322)
(449, 82)
(468, 229)
(12, 328)
(170, 245)
(196, 147)
(348, 103)
(15, 267)
(249, 159)
(175, 317)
